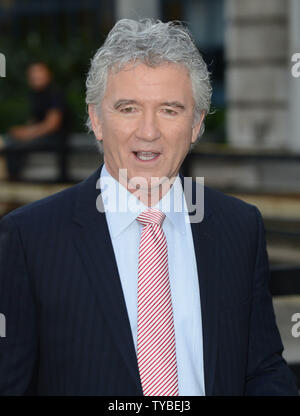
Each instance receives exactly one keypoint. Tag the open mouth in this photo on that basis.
(146, 156)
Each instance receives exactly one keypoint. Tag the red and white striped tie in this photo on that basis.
(156, 352)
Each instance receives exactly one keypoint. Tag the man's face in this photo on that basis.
(150, 110)
(38, 76)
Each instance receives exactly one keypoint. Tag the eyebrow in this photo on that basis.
(124, 101)
(175, 104)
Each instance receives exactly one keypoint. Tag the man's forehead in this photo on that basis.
(142, 70)
(173, 78)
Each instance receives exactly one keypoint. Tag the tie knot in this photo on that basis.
(151, 216)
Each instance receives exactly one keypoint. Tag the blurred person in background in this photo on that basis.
(48, 124)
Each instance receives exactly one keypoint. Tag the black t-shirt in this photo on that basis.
(50, 98)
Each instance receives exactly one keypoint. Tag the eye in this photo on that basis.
(169, 112)
(128, 110)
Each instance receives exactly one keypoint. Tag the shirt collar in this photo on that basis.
(122, 207)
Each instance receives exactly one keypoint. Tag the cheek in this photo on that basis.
(179, 139)
(116, 134)
(120, 129)
(179, 129)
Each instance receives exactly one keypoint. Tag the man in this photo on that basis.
(107, 287)
(48, 125)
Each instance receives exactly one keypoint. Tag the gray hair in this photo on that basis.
(153, 43)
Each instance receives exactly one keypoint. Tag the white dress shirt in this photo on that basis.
(125, 232)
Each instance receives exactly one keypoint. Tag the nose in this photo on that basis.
(147, 127)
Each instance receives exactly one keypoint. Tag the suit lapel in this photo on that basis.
(93, 243)
(206, 235)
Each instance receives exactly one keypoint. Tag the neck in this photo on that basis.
(149, 192)
(152, 196)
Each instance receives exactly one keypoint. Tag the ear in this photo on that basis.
(197, 126)
(96, 124)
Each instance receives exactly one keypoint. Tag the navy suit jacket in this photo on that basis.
(67, 328)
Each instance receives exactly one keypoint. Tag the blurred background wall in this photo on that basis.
(262, 94)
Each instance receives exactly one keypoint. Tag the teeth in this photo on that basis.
(146, 155)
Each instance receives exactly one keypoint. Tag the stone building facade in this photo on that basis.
(263, 97)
